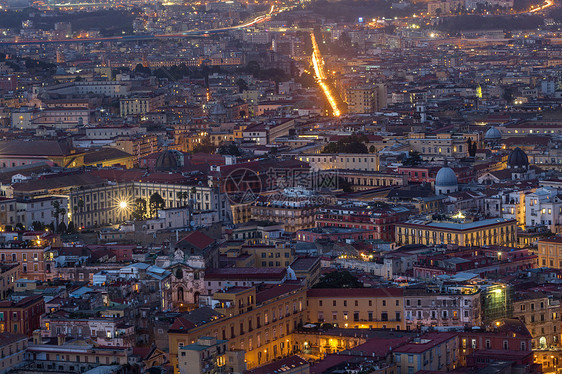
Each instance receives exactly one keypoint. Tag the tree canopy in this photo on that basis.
(351, 144)
(338, 279)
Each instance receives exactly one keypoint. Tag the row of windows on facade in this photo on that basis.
(440, 150)
(274, 330)
(384, 315)
(408, 302)
(489, 232)
(488, 344)
(15, 257)
(171, 194)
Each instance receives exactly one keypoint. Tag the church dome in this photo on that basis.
(493, 134)
(517, 159)
(167, 160)
(446, 177)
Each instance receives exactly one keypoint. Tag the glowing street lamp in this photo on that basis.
(123, 204)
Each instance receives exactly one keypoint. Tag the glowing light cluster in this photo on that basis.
(546, 4)
(318, 65)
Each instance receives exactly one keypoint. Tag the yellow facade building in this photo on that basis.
(357, 307)
(550, 252)
(495, 231)
(260, 323)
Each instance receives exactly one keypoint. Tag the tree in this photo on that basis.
(413, 159)
(338, 279)
(242, 85)
(19, 226)
(140, 68)
(344, 185)
(139, 211)
(351, 144)
(37, 226)
(61, 228)
(70, 229)
(472, 147)
(253, 67)
(156, 202)
(57, 212)
(372, 149)
(229, 149)
(204, 147)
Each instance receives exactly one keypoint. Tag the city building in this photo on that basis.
(496, 231)
(362, 308)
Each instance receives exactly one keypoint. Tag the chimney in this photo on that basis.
(37, 337)
(61, 339)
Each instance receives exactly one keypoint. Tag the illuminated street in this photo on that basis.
(318, 64)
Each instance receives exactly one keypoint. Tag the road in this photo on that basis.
(124, 38)
(320, 75)
(546, 4)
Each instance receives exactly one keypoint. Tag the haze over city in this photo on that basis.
(288, 186)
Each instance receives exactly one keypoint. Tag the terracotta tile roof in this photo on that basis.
(43, 148)
(182, 324)
(197, 239)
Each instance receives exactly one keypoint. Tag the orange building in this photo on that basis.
(21, 317)
(260, 323)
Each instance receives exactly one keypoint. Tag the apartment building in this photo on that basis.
(439, 146)
(34, 261)
(209, 354)
(139, 145)
(12, 348)
(73, 356)
(541, 316)
(140, 105)
(379, 223)
(357, 307)
(550, 252)
(431, 351)
(8, 212)
(113, 203)
(8, 275)
(21, 317)
(42, 210)
(261, 323)
(365, 180)
(108, 332)
(454, 307)
(103, 88)
(495, 231)
(366, 99)
(544, 207)
(350, 161)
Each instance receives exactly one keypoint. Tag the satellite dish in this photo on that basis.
(192, 223)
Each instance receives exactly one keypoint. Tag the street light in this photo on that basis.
(123, 204)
